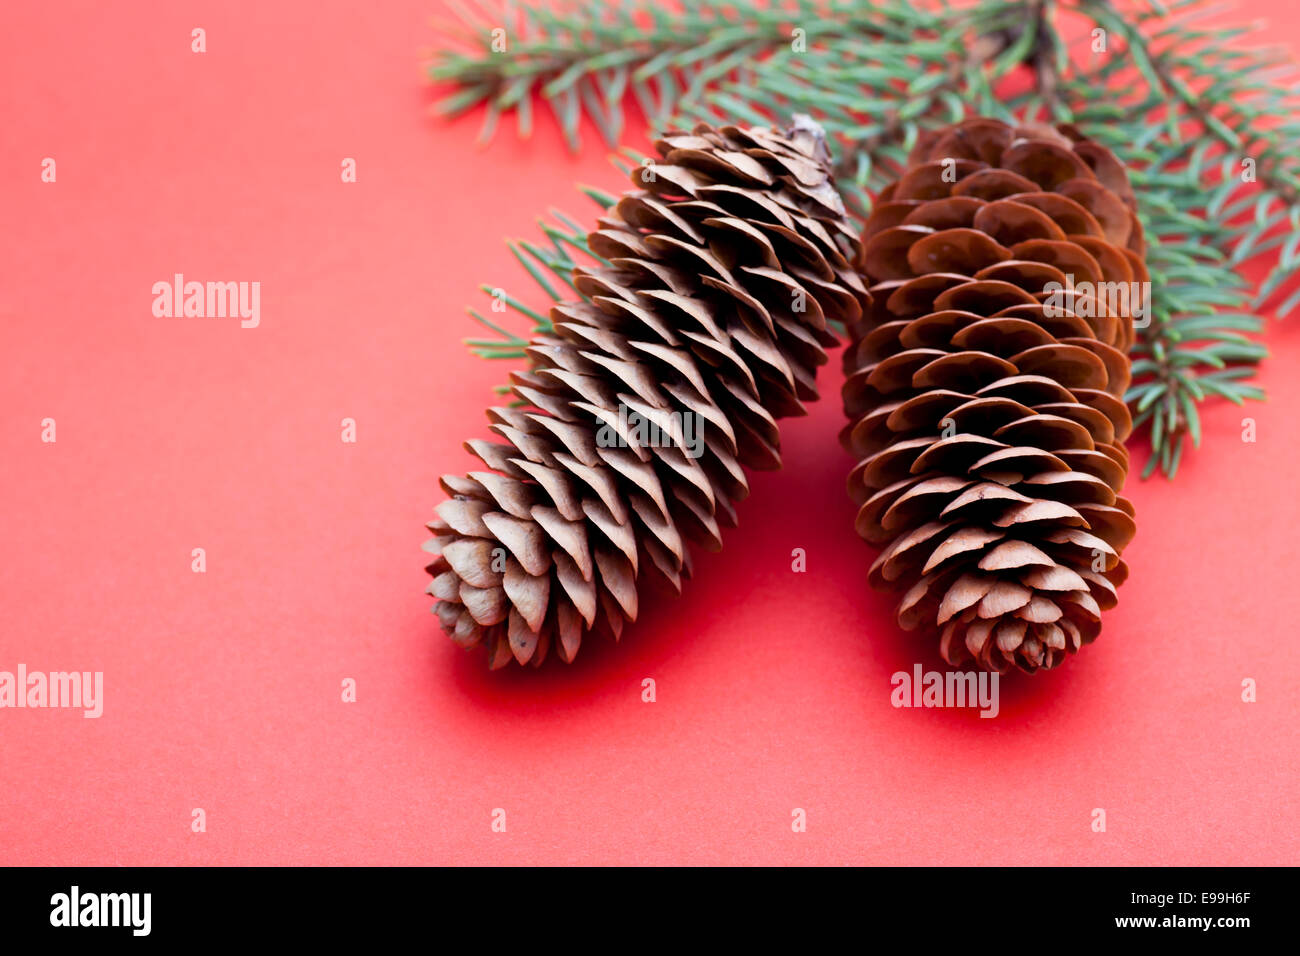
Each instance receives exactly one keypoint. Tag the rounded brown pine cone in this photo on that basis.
(985, 403)
(643, 407)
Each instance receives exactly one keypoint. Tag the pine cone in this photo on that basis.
(986, 411)
(711, 316)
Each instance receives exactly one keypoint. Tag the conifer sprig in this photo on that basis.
(1204, 123)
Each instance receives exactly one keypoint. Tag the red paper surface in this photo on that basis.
(223, 689)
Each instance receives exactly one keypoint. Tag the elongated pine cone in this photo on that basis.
(986, 405)
(710, 318)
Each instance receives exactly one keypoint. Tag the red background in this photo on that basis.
(223, 689)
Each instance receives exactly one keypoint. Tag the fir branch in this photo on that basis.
(544, 265)
(1182, 106)
(601, 49)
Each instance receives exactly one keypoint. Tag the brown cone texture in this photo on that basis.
(724, 267)
(987, 415)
